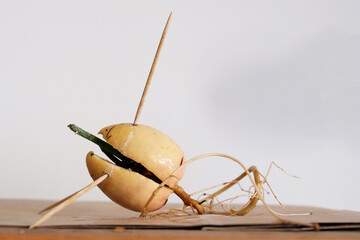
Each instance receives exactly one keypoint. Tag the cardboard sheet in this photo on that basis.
(97, 215)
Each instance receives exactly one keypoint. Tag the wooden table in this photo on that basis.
(106, 220)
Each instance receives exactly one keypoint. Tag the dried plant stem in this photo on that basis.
(152, 70)
(57, 207)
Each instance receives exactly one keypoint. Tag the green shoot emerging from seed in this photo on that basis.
(117, 157)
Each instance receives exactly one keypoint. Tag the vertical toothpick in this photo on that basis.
(151, 73)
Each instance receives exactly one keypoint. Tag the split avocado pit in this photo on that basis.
(143, 158)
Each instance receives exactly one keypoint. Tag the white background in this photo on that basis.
(262, 81)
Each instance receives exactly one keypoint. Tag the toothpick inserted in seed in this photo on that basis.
(57, 207)
(152, 70)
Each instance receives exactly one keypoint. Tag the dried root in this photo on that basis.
(207, 204)
(188, 201)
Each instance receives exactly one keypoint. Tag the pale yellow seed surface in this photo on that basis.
(128, 189)
(148, 146)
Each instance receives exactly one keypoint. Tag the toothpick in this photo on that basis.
(56, 204)
(57, 207)
(151, 73)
